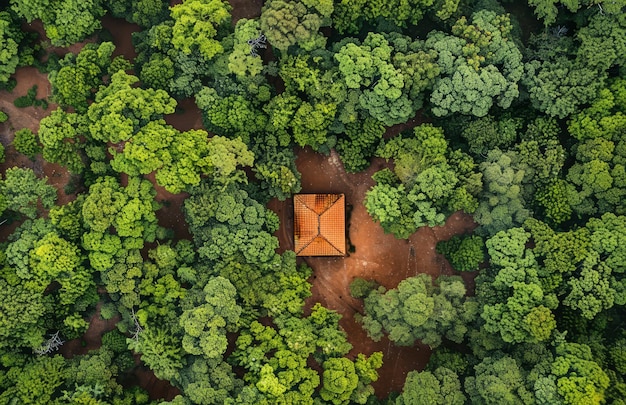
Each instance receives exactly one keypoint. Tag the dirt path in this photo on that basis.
(376, 256)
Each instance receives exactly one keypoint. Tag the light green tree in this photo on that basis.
(65, 22)
(439, 387)
(23, 190)
(196, 24)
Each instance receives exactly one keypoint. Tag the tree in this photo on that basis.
(383, 91)
(25, 142)
(558, 78)
(120, 109)
(516, 306)
(36, 381)
(22, 314)
(350, 15)
(287, 23)
(23, 190)
(145, 13)
(502, 203)
(498, 380)
(209, 381)
(439, 387)
(242, 61)
(430, 186)
(464, 253)
(357, 149)
(523, 317)
(157, 72)
(602, 41)
(10, 38)
(597, 178)
(77, 76)
(233, 115)
(65, 22)
(339, 380)
(196, 24)
(481, 65)
(161, 350)
(128, 210)
(277, 171)
(180, 158)
(311, 125)
(573, 83)
(579, 379)
(275, 371)
(63, 137)
(417, 309)
(548, 9)
(95, 369)
(487, 133)
(205, 326)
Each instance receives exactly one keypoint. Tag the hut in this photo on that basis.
(319, 224)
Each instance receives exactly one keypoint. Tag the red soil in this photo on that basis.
(377, 256)
(92, 339)
(186, 117)
(29, 117)
(170, 215)
(121, 31)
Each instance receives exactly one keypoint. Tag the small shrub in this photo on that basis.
(115, 341)
(23, 102)
(30, 99)
(360, 287)
(465, 253)
(25, 142)
(3, 117)
(108, 310)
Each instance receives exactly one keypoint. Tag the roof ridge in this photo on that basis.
(321, 214)
(331, 244)
(337, 198)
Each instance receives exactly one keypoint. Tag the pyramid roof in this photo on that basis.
(319, 224)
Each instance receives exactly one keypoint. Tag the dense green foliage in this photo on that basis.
(520, 123)
(66, 21)
(25, 142)
(10, 38)
(429, 181)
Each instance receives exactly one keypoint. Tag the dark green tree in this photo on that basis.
(65, 22)
(481, 65)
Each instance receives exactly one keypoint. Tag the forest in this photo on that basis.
(507, 114)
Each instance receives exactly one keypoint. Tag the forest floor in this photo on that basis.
(376, 255)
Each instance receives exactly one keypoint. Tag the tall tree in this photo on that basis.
(481, 65)
(66, 22)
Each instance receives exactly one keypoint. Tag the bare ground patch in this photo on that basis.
(376, 256)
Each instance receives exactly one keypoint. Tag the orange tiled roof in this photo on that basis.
(319, 224)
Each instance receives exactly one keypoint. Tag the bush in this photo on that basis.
(9, 85)
(108, 310)
(30, 99)
(465, 253)
(115, 341)
(3, 117)
(360, 288)
(25, 142)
